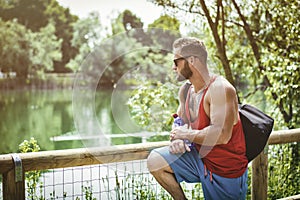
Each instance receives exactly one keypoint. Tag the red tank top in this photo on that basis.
(227, 160)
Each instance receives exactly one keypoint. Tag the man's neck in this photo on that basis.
(200, 82)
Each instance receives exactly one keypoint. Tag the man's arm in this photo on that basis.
(182, 94)
(221, 104)
(178, 145)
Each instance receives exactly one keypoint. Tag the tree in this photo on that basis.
(260, 41)
(35, 14)
(14, 49)
(230, 27)
(164, 31)
(87, 35)
(280, 55)
(131, 22)
(101, 60)
(30, 13)
(215, 22)
(45, 49)
(63, 21)
(26, 52)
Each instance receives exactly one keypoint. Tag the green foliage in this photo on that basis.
(138, 186)
(86, 36)
(45, 50)
(29, 146)
(53, 196)
(166, 22)
(14, 49)
(32, 177)
(131, 21)
(155, 99)
(153, 104)
(194, 191)
(284, 170)
(63, 21)
(30, 13)
(88, 192)
(268, 62)
(36, 14)
(26, 52)
(128, 47)
(105, 58)
(112, 60)
(248, 195)
(281, 52)
(165, 31)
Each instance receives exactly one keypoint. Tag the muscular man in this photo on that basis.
(210, 109)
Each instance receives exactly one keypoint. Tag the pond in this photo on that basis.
(48, 116)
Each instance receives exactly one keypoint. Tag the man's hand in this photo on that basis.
(179, 132)
(178, 146)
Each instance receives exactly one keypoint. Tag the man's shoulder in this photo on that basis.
(221, 82)
(221, 86)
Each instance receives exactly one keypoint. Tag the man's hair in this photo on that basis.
(190, 46)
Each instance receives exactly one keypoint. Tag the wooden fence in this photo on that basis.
(14, 166)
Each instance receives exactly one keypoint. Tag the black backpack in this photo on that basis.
(257, 127)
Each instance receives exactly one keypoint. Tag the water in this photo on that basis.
(48, 114)
(44, 114)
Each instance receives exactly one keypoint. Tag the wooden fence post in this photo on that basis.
(13, 181)
(259, 179)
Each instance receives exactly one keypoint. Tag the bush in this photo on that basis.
(284, 170)
(153, 104)
(32, 177)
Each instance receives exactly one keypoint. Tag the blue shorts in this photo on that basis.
(189, 167)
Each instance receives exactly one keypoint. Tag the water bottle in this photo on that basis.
(179, 122)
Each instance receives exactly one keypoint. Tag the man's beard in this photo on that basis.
(185, 73)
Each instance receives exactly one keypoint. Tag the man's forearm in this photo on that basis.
(209, 136)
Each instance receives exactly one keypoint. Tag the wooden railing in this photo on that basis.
(14, 166)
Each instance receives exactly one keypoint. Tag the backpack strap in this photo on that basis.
(186, 98)
(186, 88)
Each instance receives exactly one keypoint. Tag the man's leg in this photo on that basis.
(164, 175)
(221, 188)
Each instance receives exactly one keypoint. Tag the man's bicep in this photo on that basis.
(217, 109)
(222, 110)
(182, 99)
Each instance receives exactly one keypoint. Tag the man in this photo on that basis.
(210, 109)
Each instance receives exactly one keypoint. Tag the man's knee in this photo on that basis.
(155, 162)
(152, 161)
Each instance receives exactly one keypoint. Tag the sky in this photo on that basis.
(147, 11)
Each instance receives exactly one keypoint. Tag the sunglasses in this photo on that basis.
(180, 58)
(177, 59)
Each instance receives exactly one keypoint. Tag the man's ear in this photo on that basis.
(192, 60)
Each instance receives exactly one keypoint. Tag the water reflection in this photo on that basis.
(44, 114)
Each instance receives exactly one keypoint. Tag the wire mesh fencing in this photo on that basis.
(115, 181)
(123, 180)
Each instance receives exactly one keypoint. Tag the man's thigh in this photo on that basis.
(185, 166)
(222, 188)
(156, 162)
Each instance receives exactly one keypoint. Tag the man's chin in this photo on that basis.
(180, 78)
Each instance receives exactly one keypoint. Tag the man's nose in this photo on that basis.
(174, 67)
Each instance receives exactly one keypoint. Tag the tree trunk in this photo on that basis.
(221, 47)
